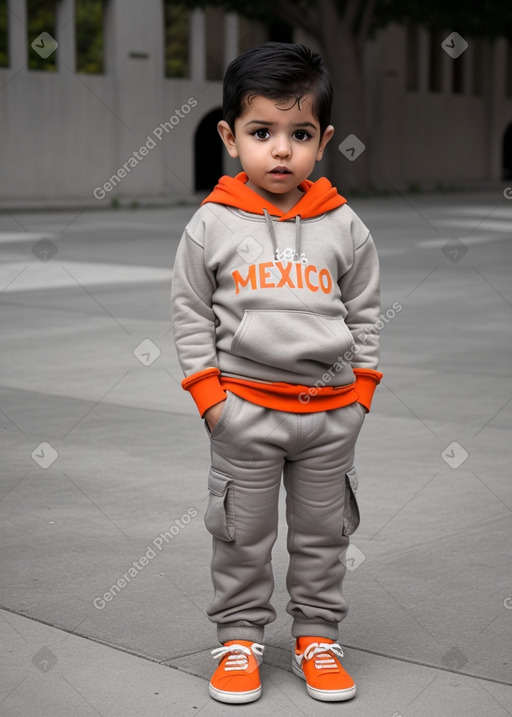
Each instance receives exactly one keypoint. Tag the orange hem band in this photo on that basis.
(205, 389)
(208, 388)
(293, 398)
(367, 380)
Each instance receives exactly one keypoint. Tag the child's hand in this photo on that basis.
(212, 415)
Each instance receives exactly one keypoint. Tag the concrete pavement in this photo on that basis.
(104, 553)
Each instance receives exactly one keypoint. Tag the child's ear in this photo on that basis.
(327, 135)
(228, 138)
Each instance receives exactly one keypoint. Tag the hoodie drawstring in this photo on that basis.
(287, 255)
(297, 256)
(270, 227)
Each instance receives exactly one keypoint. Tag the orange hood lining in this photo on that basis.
(319, 197)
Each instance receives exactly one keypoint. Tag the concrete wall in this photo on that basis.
(428, 138)
(65, 136)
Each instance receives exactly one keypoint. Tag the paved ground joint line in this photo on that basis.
(165, 663)
(423, 663)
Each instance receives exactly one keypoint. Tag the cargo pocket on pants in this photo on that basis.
(220, 513)
(351, 516)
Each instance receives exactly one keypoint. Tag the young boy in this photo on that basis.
(275, 300)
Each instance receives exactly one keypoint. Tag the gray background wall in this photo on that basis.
(63, 134)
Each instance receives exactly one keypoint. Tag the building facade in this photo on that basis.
(130, 133)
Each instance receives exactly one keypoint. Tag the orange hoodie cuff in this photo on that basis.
(205, 389)
(367, 381)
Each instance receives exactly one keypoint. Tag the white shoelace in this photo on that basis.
(238, 659)
(321, 650)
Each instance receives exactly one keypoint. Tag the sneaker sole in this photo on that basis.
(233, 698)
(323, 695)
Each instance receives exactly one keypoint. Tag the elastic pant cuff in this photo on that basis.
(240, 632)
(329, 630)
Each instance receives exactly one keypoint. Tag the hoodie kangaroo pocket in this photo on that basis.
(298, 341)
(220, 513)
(351, 517)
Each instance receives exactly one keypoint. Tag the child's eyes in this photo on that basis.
(261, 133)
(301, 135)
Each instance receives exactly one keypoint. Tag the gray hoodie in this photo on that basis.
(272, 300)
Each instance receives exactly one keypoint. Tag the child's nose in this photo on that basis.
(281, 147)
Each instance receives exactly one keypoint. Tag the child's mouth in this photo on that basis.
(280, 171)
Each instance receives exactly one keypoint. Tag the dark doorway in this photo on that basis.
(208, 152)
(507, 154)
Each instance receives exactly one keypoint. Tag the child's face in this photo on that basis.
(277, 147)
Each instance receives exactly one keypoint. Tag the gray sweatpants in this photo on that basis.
(251, 448)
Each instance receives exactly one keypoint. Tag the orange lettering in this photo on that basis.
(300, 284)
(265, 275)
(240, 281)
(285, 275)
(326, 287)
(309, 270)
(264, 278)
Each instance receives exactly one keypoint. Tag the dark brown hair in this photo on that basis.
(278, 71)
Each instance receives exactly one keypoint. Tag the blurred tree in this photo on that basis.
(4, 47)
(41, 18)
(176, 39)
(89, 36)
(342, 27)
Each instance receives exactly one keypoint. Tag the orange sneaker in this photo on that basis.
(237, 678)
(316, 660)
